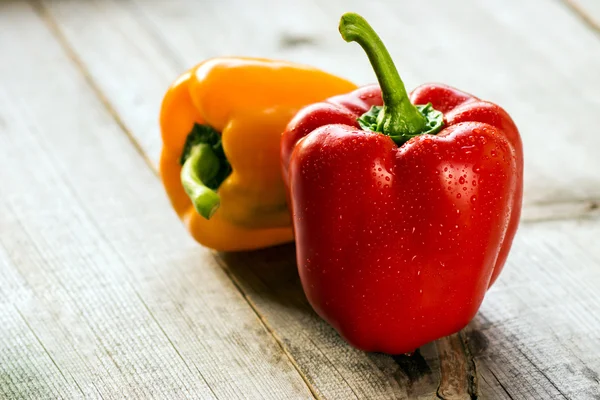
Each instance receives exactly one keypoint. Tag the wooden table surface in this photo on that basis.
(104, 295)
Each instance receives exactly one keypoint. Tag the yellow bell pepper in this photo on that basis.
(221, 125)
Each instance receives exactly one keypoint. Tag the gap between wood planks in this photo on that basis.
(579, 11)
(533, 213)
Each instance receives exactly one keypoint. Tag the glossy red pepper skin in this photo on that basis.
(397, 245)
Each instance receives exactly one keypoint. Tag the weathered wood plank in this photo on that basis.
(534, 67)
(103, 294)
(538, 331)
(164, 38)
(26, 368)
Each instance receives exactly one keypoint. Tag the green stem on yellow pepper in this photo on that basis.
(201, 166)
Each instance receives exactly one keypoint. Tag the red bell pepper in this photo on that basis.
(403, 225)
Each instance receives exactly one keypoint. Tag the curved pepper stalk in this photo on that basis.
(205, 167)
(398, 118)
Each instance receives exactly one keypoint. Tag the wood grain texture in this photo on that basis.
(525, 74)
(102, 293)
(98, 316)
(540, 69)
(538, 332)
(588, 11)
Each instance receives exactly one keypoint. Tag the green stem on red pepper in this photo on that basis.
(398, 118)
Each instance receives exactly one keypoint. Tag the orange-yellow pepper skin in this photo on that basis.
(250, 101)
